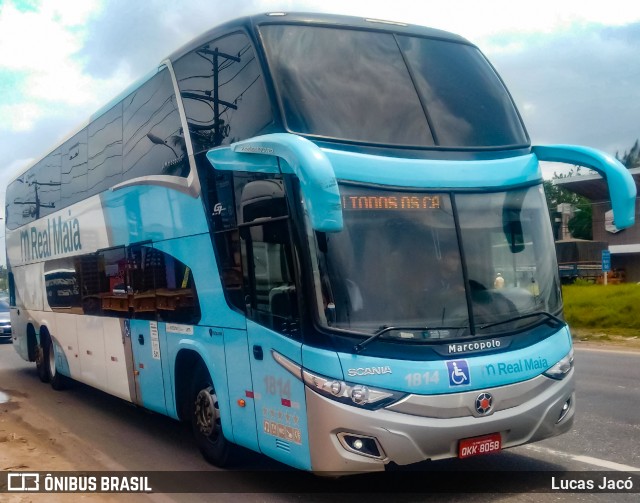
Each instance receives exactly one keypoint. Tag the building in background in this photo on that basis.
(624, 245)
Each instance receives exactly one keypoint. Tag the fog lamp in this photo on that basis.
(360, 444)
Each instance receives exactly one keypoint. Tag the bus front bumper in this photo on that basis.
(423, 428)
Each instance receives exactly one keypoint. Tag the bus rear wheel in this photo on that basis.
(57, 380)
(206, 422)
(42, 360)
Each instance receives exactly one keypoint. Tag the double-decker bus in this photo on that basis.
(320, 238)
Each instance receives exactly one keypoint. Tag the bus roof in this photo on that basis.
(250, 23)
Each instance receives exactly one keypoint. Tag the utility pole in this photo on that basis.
(218, 59)
(37, 202)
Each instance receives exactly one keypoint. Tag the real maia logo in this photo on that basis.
(58, 238)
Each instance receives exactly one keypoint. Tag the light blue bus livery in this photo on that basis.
(320, 238)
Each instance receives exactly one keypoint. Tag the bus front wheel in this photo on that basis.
(206, 423)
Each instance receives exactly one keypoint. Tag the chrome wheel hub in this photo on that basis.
(206, 412)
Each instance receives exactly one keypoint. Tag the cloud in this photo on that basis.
(19, 117)
(577, 87)
(140, 35)
(478, 20)
(62, 60)
(34, 40)
(39, 48)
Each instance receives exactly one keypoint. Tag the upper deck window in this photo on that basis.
(223, 93)
(381, 88)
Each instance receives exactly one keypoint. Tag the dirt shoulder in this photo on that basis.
(606, 339)
(26, 446)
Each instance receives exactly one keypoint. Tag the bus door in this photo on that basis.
(142, 328)
(279, 397)
(272, 332)
(147, 365)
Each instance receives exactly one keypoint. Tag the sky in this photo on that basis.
(572, 67)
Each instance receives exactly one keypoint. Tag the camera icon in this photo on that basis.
(23, 482)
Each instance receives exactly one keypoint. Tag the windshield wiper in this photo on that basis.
(384, 329)
(557, 321)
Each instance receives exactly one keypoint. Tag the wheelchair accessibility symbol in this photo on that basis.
(458, 372)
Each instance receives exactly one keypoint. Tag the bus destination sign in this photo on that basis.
(391, 202)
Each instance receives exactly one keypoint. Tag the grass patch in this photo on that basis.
(610, 309)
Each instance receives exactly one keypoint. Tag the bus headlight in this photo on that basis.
(561, 369)
(359, 395)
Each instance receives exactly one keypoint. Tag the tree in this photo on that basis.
(557, 195)
(631, 159)
(580, 224)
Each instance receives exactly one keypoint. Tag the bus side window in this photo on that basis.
(268, 275)
(62, 285)
(218, 188)
(153, 140)
(46, 184)
(105, 150)
(242, 109)
(73, 177)
(176, 295)
(141, 269)
(87, 265)
(230, 264)
(160, 287)
(267, 254)
(113, 287)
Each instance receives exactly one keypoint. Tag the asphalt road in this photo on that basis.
(605, 438)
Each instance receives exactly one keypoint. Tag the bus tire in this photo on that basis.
(206, 423)
(57, 380)
(42, 358)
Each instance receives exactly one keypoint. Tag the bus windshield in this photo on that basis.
(398, 263)
(389, 89)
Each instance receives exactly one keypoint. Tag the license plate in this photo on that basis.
(479, 445)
